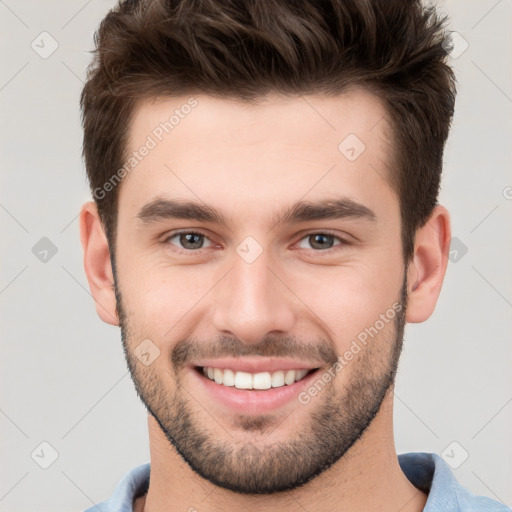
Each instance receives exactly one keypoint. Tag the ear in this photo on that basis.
(427, 268)
(97, 263)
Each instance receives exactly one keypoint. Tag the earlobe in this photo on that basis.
(97, 264)
(427, 269)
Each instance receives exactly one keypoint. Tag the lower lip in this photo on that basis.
(253, 401)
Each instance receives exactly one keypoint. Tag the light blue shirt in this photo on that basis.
(426, 471)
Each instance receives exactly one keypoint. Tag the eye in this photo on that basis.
(193, 241)
(188, 240)
(321, 241)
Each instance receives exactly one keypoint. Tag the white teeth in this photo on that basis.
(246, 380)
(243, 380)
(300, 374)
(278, 379)
(218, 375)
(289, 377)
(229, 378)
(261, 380)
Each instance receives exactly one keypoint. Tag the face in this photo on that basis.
(290, 260)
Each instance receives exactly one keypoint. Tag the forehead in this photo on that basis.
(290, 117)
(249, 155)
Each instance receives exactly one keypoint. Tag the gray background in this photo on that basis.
(63, 374)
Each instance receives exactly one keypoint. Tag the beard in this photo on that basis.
(244, 464)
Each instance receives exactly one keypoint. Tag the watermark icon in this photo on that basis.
(146, 352)
(507, 192)
(44, 455)
(44, 250)
(458, 250)
(152, 140)
(44, 45)
(304, 397)
(455, 455)
(249, 249)
(351, 147)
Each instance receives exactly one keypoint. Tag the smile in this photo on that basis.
(261, 380)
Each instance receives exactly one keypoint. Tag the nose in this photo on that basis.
(253, 301)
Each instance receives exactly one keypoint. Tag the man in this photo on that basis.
(265, 222)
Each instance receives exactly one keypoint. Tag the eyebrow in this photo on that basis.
(302, 211)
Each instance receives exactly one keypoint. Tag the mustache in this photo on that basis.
(192, 349)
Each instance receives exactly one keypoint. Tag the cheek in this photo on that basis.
(349, 300)
(160, 299)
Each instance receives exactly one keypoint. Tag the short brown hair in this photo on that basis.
(246, 48)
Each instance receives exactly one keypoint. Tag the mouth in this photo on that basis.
(259, 381)
(252, 393)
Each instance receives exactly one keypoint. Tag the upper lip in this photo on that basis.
(256, 364)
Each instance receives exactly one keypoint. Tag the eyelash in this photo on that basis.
(343, 241)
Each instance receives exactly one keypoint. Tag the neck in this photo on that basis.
(368, 477)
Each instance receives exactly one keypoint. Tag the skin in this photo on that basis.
(251, 162)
